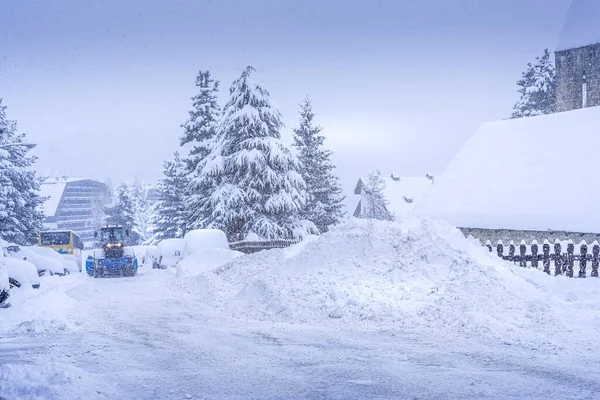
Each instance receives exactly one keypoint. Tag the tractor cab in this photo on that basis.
(112, 240)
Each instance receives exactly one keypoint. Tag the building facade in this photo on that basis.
(578, 78)
(577, 58)
(74, 204)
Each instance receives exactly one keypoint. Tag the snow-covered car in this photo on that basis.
(4, 285)
(44, 265)
(70, 263)
(170, 252)
(21, 273)
(64, 265)
(204, 239)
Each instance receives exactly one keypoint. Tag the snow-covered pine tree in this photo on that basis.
(142, 225)
(20, 215)
(325, 201)
(169, 214)
(199, 135)
(201, 126)
(124, 210)
(257, 185)
(537, 88)
(375, 204)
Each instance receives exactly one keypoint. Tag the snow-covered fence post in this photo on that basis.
(523, 254)
(546, 249)
(570, 258)
(534, 254)
(511, 251)
(557, 258)
(595, 258)
(488, 244)
(500, 249)
(583, 259)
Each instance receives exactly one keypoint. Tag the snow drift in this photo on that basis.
(413, 274)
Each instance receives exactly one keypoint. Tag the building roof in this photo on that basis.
(581, 26)
(53, 189)
(402, 193)
(534, 173)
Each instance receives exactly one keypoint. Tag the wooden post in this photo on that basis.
(557, 258)
(488, 244)
(511, 251)
(500, 249)
(534, 254)
(523, 254)
(583, 259)
(546, 249)
(595, 258)
(570, 258)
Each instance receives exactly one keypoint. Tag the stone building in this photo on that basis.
(578, 58)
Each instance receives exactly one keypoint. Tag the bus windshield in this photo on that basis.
(55, 238)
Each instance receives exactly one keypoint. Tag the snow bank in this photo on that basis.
(412, 274)
(205, 261)
(43, 310)
(50, 381)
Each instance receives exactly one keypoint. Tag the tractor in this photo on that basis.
(113, 258)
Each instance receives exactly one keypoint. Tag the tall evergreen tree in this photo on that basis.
(537, 88)
(20, 215)
(130, 210)
(199, 134)
(257, 185)
(169, 219)
(201, 126)
(325, 201)
(375, 205)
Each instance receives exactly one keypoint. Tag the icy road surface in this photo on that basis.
(132, 338)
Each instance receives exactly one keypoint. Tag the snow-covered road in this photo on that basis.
(135, 338)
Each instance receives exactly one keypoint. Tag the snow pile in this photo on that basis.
(50, 381)
(205, 261)
(389, 275)
(43, 310)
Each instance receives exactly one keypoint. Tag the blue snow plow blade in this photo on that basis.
(110, 266)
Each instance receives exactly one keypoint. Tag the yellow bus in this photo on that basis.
(64, 242)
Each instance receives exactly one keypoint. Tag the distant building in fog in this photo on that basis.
(74, 204)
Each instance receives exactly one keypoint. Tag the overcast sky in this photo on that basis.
(103, 85)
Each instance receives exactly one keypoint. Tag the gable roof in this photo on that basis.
(533, 173)
(581, 25)
(402, 193)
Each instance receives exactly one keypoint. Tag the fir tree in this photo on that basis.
(20, 218)
(201, 126)
(375, 205)
(169, 219)
(325, 201)
(199, 133)
(537, 88)
(257, 185)
(130, 210)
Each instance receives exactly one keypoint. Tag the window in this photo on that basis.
(55, 238)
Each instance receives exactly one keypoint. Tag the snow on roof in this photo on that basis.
(581, 26)
(53, 192)
(53, 188)
(402, 193)
(534, 173)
